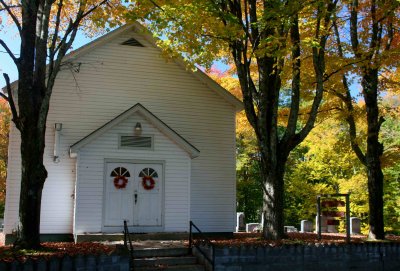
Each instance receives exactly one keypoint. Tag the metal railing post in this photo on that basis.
(347, 217)
(201, 236)
(127, 238)
(125, 241)
(319, 217)
(190, 237)
(213, 257)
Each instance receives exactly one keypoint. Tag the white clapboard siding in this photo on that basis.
(90, 185)
(13, 179)
(112, 78)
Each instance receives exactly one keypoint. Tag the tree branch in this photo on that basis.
(157, 6)
(12, 15)
(319, 67)
(42, 34)
(390, 35)
(296, 65)
(11, 54)
(10, 100)
(67, 41)
(328, 75)
(353, 27)
(347, 100)
(55, 36)
(10, 7)
(92, 9)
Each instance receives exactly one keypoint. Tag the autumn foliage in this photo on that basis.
(50, 250)
(4, 130)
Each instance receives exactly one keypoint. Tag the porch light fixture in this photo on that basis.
(58, 126)
(138, 128)
(57, 133)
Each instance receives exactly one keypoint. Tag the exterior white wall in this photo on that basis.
(90, 185)
(58, 191)
(110, 79)
(12, 183)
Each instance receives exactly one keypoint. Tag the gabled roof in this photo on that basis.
(200, 75)
(150, 117)
(137, 27)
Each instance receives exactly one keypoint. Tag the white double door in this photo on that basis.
(138, 201)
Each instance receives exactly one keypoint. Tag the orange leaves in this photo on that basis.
(255, 239)
(49, 250)
(229, 81)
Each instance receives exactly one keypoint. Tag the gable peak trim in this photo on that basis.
(150, 117)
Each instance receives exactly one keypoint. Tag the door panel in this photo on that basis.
(134, 203)
(119, 201)
(148, 208)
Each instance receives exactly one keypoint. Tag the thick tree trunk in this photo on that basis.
(273, 199)
(34, 175)
(373, 155)
(261, 93)
(38, 64)
(375, 191)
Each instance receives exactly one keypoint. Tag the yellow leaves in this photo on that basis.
(190, 27)
(4, 130)
(243, 126)
(391, 156)
(106, 14)
(390, 131)
(390, 81)
(311, 42)
(231, 83)
(356, 185)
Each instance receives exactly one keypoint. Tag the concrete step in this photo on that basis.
(169, 261)
(192, 267)
(160, 252)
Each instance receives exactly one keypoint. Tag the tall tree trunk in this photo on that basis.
(371, 158)
(373, 155)
(273, 199)
(31, 92)
(33, 177)
(38, 63)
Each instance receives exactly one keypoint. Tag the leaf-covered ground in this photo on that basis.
(54, 249)
(61, 249)
(294, 238)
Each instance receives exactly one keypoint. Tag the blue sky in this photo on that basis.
(6, 64)
(13, 42)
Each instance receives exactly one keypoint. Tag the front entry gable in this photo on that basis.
(192, 151)
(101, 204)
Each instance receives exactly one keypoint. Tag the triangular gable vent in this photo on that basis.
(139, 141)
(132, 42)
(144, 142)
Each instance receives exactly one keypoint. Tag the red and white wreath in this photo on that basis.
(148, 182)
(120, 181)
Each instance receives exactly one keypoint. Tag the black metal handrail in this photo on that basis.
(194, 242)
(127, 238)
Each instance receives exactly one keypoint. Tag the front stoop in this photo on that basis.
(112, 237)
(172, 259)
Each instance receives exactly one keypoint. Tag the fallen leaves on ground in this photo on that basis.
(256, 239)
(61, 249)
(54, 249)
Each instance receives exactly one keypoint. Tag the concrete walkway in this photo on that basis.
(159, 244)
(148, 244)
